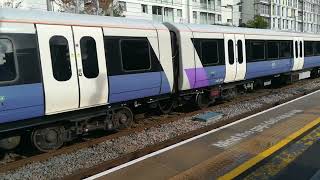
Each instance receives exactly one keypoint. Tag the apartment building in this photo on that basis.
(290, 15)
(184, 11)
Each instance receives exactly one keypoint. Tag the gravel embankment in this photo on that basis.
(62, 165)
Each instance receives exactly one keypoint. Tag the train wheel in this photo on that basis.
(10, 142)
(202, 101)
(165, 106)
(124, 118)
(48, 139)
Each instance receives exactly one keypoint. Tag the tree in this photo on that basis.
(114, 9)
(257, 22)
(106, 7)
(11, 3)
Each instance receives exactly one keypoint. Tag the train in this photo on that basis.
(64, 75)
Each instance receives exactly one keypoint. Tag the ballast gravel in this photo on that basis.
(66, 164)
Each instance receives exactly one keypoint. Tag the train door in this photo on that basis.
(59, 69)
(91, 63)
(240, 57)
(298, 54)
(234, 57)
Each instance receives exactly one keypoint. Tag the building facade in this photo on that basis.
(289, 15)
(183, 11)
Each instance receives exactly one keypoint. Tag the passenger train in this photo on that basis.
(63, 75)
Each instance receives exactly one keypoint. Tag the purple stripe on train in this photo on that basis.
(207, 76)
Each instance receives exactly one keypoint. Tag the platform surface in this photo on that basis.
(224, 153)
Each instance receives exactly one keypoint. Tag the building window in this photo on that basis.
(156, 10)
(7, 63)
(203, 18)
(168, 14)
(89, 57)
(135, 55)
(60, 58)
(219, 17)
(194, 13)
(179, 12)
(144, 8)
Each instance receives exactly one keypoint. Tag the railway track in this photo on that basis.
(143, 123)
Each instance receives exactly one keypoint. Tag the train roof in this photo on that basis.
(47, 17)
(239, 30)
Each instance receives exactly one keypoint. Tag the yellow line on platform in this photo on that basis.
(248, 164)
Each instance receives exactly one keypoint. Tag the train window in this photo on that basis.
(317, 48)
(209, 52)
(273, 50)
(7, 61)
(60, 58)
(240, 51)
(135, 54)
(257, 50)
(89, 57)
(308, 48)
(297, 49)
(231, 52)
(285, 49)
(301, 49)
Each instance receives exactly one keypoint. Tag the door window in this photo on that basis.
(231, 52)
(301, 49)
(89, 57)
(7, 62)
(60, 58)
(297, 49)
(240, 51)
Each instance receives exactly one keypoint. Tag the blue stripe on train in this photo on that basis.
(20, 102)
(310, 62)
(135, 86)
(267, 68)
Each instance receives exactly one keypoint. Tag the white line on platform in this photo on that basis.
(191, 139)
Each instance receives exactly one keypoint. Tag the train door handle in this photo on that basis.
(79, 72)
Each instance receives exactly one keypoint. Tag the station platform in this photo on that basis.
(255, 147)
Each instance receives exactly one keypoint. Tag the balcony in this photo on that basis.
(157, 18)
